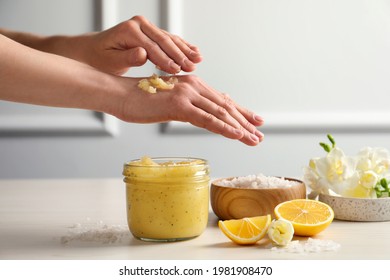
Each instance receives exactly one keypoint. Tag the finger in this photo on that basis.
(253, 120)
(168, 46)
(135, 56)
(250, 127)
(250, 116)
(222, 114)
(209, 121)
(203, 119)
(246, 118)
(120, 60)
(246, 122)
(216, 110)
(213, 124)
(190, 51)
(157, 56)
(226, 102)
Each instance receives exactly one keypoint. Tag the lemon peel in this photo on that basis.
(281, 232)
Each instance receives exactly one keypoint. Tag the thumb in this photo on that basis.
(135, 57)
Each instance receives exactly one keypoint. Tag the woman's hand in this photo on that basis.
(133, 42)
(115, 50)
(191, 100)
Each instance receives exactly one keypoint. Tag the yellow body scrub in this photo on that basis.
(167, 198)
(155, 82)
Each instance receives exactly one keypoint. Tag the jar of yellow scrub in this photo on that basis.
(167, 198)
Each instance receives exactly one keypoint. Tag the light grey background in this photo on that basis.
(309, 67)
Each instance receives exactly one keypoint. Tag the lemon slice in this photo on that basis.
(246, 230)
(281, 232)
(308, 217)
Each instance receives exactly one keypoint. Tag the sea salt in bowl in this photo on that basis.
(240, 197)
(358, 209)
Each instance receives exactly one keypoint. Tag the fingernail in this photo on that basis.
(194, 48)
(258, 118)
(174, 66)
(194, 53)
(187, 63)
(254, 137)
(259, 134)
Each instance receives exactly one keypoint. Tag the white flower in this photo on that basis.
(348, 176)
(368, 179)
(334, 172)
(374, 159)
(364, 188)
(281, 232)
(311, 178)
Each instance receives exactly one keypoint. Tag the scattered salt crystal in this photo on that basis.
(97, 232)
(309, 246)
(257, 182)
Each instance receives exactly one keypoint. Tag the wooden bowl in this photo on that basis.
(236, 203)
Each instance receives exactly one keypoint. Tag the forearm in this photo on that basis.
(31, 76)
(27, 39)
(74, 47)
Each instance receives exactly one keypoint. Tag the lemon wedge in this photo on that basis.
(246, 230)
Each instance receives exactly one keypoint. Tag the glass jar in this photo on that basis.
(167, 198)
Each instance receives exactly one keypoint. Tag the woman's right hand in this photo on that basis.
(131, 43)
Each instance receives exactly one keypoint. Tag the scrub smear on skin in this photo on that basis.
(167, 198)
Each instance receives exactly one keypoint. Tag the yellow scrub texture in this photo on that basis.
(167, 198)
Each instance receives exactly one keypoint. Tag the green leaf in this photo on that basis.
(382, 188)
(378, 190)
(331, 139)
(326, 147)
(384, 184)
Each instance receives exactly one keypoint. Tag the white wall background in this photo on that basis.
(309, 67)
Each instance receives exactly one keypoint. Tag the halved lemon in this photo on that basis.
(246, 230)
(308, 217)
